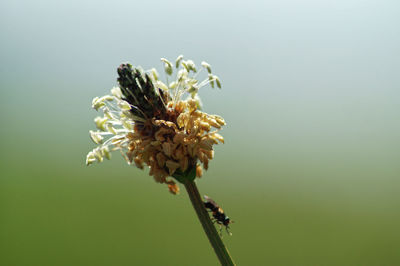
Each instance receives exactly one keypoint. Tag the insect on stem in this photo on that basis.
(216, 242)
(218, 214)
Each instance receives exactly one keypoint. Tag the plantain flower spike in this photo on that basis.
(151, 124)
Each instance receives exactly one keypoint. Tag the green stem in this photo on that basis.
(212, 234)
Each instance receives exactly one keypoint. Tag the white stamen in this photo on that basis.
(155, 74)
(178, 61)
(116, 91)
(167, 66)
(100, 122)
(110, 129)
(96, 137)
(125, 106)
(97, 103)
(206, 66)
(90, 158)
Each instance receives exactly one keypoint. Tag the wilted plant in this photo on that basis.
(151, 124)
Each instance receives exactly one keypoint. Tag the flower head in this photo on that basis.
(151, 124)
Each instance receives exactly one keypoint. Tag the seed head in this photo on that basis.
(152, 125)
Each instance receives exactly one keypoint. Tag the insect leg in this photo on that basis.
(227, 230)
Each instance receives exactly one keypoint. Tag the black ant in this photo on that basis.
(218, 214)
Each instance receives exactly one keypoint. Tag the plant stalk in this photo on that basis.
(216, 242)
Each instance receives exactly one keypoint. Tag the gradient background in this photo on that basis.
(310, 169)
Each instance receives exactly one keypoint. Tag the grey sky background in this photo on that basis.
(310, 88)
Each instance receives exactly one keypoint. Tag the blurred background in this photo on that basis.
(310, 168)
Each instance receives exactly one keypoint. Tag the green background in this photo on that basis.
(310, 168)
